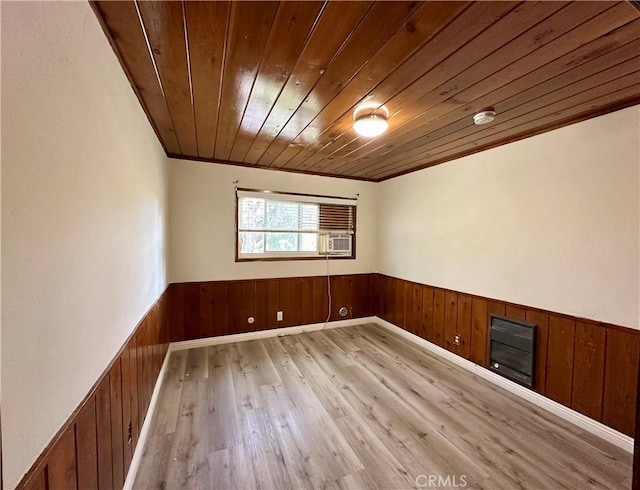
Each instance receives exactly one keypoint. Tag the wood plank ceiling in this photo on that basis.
(275, 84)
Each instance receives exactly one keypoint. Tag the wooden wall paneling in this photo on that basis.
(61, 463)
(140, 375)
(248, 306)
(133, 391)
(38, 480)
(148, 363)
(207, 309)
(235, 307)
(464, 325)
(191, 311)
(273, 291)
(383, 295)
(87, 446)
(418, 314)
(176, 312)
(127, 425)
(320, 302)
(103, 431)
(337, 297)
(427, 310)
(358, 286)
(117, 446)
(496, 308)
(450, 320)
(221, 308)
(407, 310)
(588, 369)
(398, 307)
(306, 286)
(349, 294)
(515, 312)
(560, 359)
(262, 305)
(541, 320)
(296, 301)
(285, 286)
(621, 379)
(438, 316)
(479, 331)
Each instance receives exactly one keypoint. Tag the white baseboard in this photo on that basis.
(263, 334)
(607, 433)
(144, 432)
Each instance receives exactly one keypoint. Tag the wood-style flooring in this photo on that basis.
(356, 407)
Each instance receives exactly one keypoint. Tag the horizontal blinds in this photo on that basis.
(336, 218)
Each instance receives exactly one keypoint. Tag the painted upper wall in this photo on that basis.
(202, 222)
(551, 221)
(84, 198)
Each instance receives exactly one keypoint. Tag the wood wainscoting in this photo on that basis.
(93, 449)
(208, 309)
(589, 366)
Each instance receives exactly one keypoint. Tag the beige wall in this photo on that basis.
(551, 221)
(83, 218)
(202, 221)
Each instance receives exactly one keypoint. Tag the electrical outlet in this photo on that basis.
(456, 339)
(279, 316)
(129, 434)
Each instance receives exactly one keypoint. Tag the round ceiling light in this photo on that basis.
(484, 117)
(370, 125)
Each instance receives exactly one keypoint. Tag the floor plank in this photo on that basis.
(356, 407)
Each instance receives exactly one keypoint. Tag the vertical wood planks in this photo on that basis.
(61, 463)
(438, 316)
(450, 320)
(621, 376)
(117, 448)
(464, 325)
(418, 315)
(479, 327)
(560, 359)
(87, 446)
(588, 369)
(427, 310)
(103, 427)
(541, 321)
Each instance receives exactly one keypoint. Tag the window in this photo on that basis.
(274, 225)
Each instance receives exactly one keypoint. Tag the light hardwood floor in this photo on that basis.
(356, 407)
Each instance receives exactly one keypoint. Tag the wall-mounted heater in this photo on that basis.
(512, 349)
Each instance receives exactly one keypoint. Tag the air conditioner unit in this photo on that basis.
(335, 244)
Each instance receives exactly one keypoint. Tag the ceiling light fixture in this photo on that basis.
(370, 125)
(484, 117)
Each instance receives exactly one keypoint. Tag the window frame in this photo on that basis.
(292, 255)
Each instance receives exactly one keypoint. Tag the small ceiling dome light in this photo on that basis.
(484, 117)
(370, 125)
